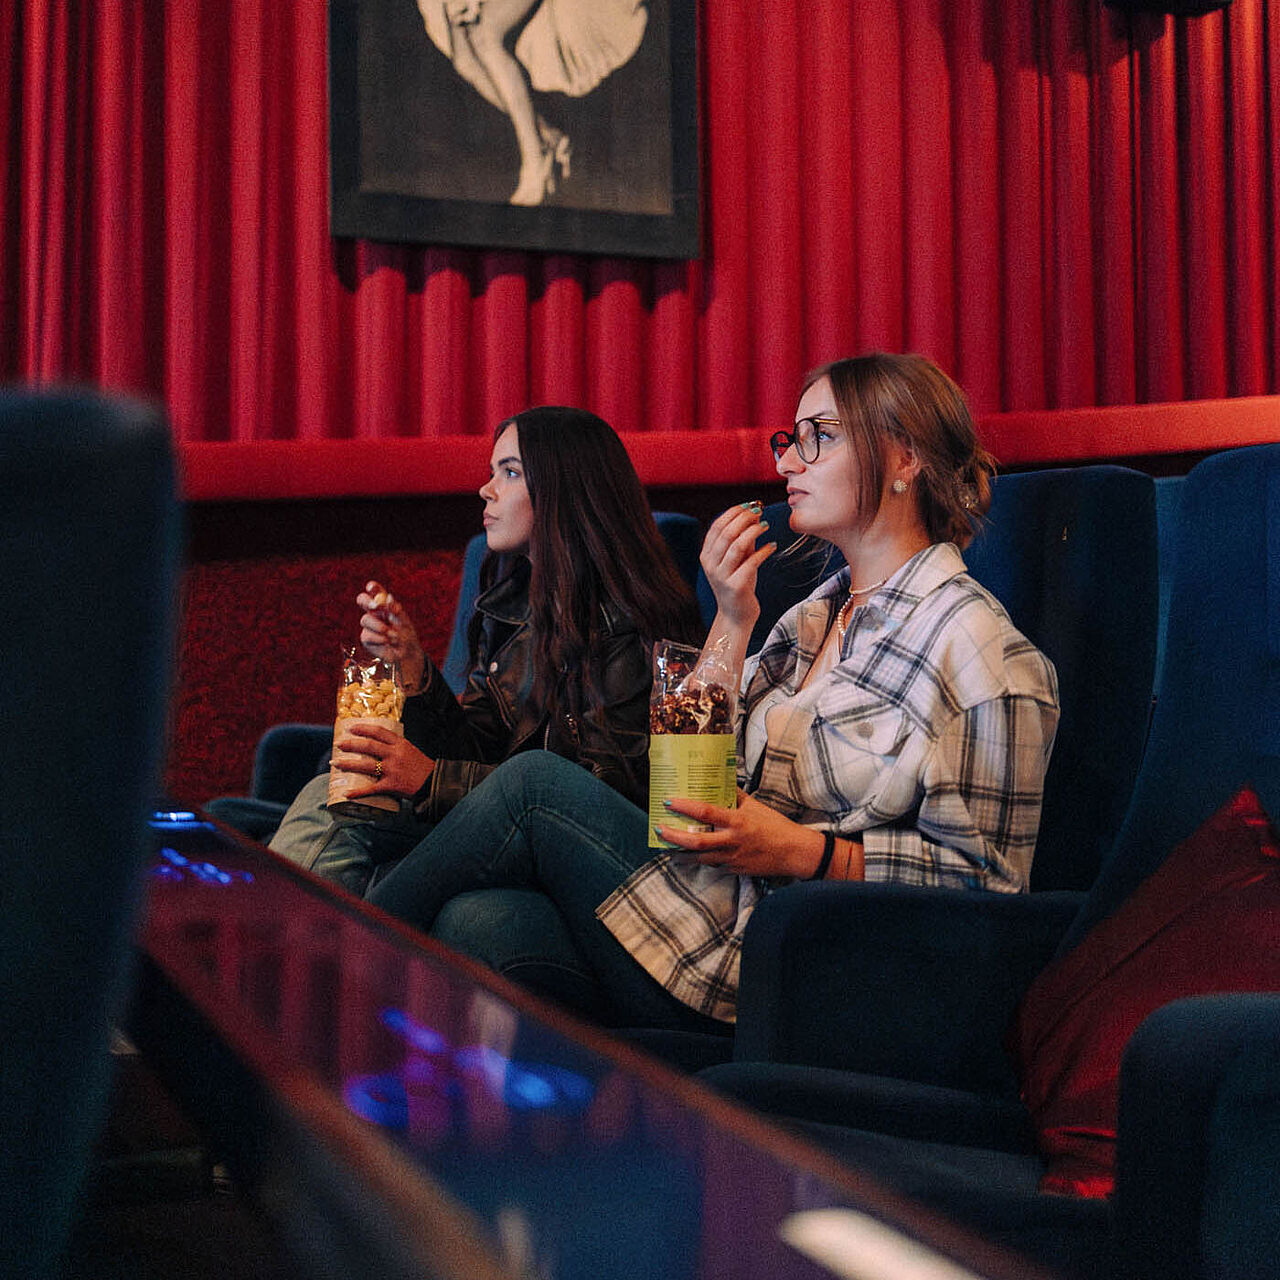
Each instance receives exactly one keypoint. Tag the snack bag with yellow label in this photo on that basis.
(370, 693)
(692, 752)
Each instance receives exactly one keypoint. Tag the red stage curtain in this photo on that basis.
(1062, 205)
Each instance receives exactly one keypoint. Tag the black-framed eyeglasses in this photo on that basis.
(804, 437)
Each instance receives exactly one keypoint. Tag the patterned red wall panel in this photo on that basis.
(262, 642)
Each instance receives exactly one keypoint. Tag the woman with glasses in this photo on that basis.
(895, 726)
(577, 585)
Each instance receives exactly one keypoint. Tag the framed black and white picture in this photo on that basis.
(557, 125)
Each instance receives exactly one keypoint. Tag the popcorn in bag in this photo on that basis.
(370, 693)
(692, 752)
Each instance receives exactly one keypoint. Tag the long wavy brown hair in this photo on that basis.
(593, 543)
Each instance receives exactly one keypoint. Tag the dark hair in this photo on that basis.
(593, 543)
(906, 398)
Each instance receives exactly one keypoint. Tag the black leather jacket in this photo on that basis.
(492, 721)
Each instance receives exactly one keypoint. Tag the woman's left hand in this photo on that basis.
(394, 764)
(751, 840)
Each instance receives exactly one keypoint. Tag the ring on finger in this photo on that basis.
(377, 771)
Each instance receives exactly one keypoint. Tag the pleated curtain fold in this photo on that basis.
(1062, 205)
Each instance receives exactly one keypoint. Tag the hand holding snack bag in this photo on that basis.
(692, 750)
(387, 632)
(370, 693)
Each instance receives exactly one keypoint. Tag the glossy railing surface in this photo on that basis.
(398, 1111)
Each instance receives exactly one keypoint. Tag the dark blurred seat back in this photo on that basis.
(87, 581)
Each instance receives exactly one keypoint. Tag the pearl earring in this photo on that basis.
(899, 485)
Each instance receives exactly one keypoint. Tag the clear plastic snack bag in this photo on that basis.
(692, 750)
(370, 693)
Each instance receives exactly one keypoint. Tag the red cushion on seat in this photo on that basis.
(1207, 920)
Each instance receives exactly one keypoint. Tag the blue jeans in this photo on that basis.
(346, 850)
(543, 825)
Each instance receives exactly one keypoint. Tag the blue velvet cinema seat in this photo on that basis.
(87, 583)
(877, 1018)
(289, 755)
(1071, 553)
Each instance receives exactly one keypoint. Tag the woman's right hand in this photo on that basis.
(731, 560)
(387, 632)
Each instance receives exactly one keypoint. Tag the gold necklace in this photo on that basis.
(845, 615)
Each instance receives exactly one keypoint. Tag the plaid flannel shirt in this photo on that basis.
(928, 742)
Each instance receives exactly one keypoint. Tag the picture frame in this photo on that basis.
(422, 149)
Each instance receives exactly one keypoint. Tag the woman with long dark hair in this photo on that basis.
(895, 726)
(577, 585)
